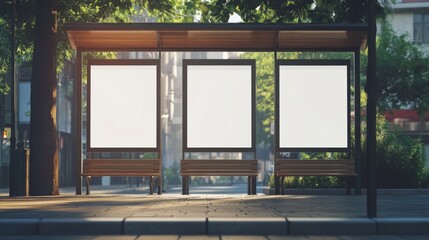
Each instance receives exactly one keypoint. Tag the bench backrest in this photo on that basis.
(121, 167)
(314, 167)
(219, 167)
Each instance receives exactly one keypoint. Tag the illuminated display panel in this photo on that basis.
(219, 105)
(123, 105)
(313, 105)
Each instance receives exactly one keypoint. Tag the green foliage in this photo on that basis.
(88, 11)
(264, 93)
(400, 163)
(400, 159)
(319, 11)
(315, 182)
(171, 174)
(402, 71)
(4, 53)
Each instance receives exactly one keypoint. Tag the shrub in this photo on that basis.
(400, 160)
(400, 163)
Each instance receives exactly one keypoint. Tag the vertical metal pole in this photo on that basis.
(276, 179)
(371, 113)
(13, 79)
(78, 121)
(12, 100)
(358, 149)
(160, 142)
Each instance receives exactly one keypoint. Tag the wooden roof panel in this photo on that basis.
(94, 39)
(230, 37)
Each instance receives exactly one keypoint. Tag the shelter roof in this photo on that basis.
(216, 37)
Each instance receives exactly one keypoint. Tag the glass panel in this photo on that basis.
(417, 18)
(426, 33)
(426, 29)
(417, 32)
(418, 28)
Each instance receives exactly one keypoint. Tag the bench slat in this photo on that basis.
(217, 174)
(314, 167)
(120, 174)
(121, 167)
(124, 161)
(216, 161)
(214, 166)
(219, 167)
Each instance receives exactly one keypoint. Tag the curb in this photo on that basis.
(343, 191)
(332, 226)
(214, 226)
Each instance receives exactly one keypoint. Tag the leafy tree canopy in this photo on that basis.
(402, 71)
(78, 11)
(290, 11)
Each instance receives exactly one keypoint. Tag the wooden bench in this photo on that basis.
(286, 168)
(124, 168)
(247, 168)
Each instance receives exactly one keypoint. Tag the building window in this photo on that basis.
(421, 28)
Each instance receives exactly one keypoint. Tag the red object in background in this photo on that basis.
(410, 115)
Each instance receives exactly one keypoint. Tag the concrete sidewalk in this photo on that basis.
(106, 212)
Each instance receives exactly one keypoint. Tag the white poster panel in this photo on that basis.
(123, 106)
(313, 106)
(219, 106)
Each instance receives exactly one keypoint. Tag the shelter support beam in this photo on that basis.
(276, 179)
(358, 148)
(371, 89)
(78, 121)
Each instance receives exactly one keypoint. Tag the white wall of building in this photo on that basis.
(402, 23)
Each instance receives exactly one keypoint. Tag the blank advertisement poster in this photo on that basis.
(313, 105)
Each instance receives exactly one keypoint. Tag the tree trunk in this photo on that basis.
(43, 145)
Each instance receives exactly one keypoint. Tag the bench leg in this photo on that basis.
(187, 185)
(254, 185)
(249, 185)
(276, 185)
(150, 185)
(183, 185)
(88, 180)
(159, 185)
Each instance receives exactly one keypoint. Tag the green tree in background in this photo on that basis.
(289, 11)
(39, 36)
(403, 72)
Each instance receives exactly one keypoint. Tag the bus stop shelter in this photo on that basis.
(163, 37)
